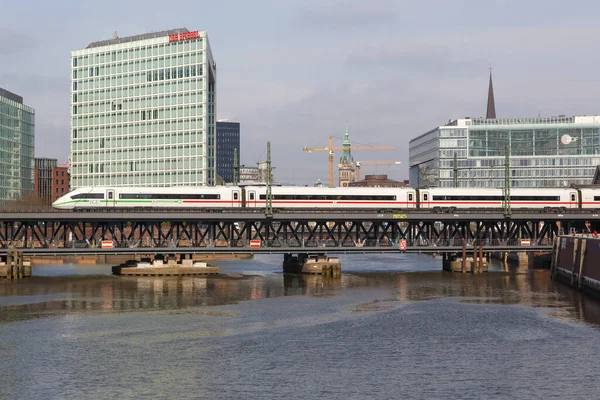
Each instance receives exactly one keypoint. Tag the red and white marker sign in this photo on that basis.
(402, 245)
(255, 244)
(107, 244)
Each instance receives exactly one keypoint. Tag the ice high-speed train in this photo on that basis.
(285, 197)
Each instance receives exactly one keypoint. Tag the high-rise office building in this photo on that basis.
(17, 140)
(228, 139)
(143, 111)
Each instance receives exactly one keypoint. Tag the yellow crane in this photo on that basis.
(372, 162)
(331, 149)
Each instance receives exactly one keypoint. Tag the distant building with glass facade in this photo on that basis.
(42, 184)
(228, 139)
(543, 152)
(143, 111)
(17, 141)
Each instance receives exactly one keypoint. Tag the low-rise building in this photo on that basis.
(255, 174)
(42, 181)
(543, 152)
(51, 180)
(60, 181)
(378, 181)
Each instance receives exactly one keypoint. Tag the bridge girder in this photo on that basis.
(308, 233)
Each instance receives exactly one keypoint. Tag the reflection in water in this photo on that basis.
(46, 296)
(382, 330)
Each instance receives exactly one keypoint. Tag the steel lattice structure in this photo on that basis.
(301, 231)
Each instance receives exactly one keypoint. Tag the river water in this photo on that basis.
(391, 327)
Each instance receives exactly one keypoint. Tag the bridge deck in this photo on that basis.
(267, 250)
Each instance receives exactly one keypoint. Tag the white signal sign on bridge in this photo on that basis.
(402, 245)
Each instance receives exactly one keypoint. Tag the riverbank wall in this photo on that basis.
(576, 262)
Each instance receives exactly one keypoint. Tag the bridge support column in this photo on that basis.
(519, 259)
(15, 267)
(319, 264)
(469, 261)
(166, 264)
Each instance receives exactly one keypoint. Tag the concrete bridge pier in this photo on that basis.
(304, 263)
(471, 260)
(164, 264)
(13, 266)
(531, 260)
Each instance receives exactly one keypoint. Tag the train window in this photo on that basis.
(572, 196)
(425, 196)
(235, 195)
(88, 196)
(329, 197)
(493, 198)
(251, 195)
(110, 195)
(166, 196)
(410, 197)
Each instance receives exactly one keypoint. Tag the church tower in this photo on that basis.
(491, 106)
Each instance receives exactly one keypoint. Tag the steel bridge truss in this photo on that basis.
(281, 233)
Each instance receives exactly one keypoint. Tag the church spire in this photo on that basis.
(491, 106)
(346, 158)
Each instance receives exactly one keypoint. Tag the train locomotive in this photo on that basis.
(314, 198)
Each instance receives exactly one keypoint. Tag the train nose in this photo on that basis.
(60, 202)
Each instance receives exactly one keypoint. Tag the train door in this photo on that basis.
(573, 203)
(251, 199)
(110, 198)
(425, 199)
(235, 199)
(410, 201)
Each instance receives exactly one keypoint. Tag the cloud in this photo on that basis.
(49, 96)
(34, 83)
(348, 14)
(12, 42)
(433, 60)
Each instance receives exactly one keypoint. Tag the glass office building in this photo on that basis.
(143, 111)
(17, 136)
(228, 139)
(543, 152)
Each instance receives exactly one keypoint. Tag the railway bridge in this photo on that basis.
(244, 231)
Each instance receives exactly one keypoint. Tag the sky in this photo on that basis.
(295, 72)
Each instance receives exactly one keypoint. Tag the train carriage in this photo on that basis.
(494, 198)
(179, 197)
(589, 196)
(332, 198)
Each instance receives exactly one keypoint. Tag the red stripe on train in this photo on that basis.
(212, 201)
(446, 203)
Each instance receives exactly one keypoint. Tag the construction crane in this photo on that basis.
(347, 147)
(373, 162)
